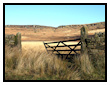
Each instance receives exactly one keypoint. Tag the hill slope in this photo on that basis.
(45, 33)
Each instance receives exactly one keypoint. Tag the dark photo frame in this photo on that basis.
(4, 4)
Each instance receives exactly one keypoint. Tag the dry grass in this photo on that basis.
(49, 34)
(34, 63)
(86, 64)
(35, 46)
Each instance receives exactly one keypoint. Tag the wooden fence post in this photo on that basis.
(84, 34)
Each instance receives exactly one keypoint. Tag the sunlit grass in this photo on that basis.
(34, 63)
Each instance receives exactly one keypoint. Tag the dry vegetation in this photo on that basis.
(51, 34)
(34, 63)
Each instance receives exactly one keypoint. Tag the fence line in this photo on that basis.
(82, 43)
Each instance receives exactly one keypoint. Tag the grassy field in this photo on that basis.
(34, 63)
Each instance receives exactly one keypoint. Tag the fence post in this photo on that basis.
(18, 40)
(84, 34)
(86, 65)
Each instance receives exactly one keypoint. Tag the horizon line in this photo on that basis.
(60, 25)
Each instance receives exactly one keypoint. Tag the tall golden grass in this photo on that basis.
(86, 64)
(34, 63)
(37, 63)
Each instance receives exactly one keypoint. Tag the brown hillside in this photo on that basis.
(46, 33)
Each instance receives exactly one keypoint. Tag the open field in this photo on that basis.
(34, 63)
(49, 35)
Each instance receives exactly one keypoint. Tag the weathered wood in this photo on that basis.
(63, 41)
(67, 50)
(70, 49)
(52, 48)
(65, 46)
(56, 47)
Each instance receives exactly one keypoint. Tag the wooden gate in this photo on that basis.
(70, 51)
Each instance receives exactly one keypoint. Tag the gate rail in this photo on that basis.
(64, 45)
